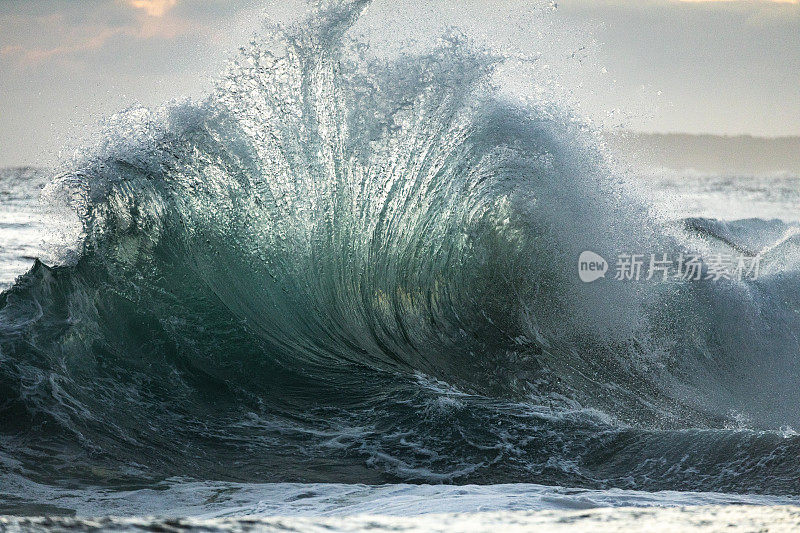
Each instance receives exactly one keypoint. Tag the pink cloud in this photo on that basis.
(28, 55)
(154, 8)
(70, 40)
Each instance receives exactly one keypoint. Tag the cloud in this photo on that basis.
(154, 8)
(32, 55)
(68, 36)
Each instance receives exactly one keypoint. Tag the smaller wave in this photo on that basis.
(209, 500)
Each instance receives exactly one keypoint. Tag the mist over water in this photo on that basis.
(342, 267)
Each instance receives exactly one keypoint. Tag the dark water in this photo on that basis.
(339, 268)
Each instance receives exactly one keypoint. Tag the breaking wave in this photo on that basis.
(338, 267)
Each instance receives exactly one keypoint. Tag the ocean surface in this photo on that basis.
(345, 285)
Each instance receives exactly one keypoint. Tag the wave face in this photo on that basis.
(351, 269)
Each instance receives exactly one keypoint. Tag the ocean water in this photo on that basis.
(345, 285)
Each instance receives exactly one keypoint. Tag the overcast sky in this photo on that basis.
(726, 67)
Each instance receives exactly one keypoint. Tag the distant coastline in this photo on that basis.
(716, 154)
(741, 154)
